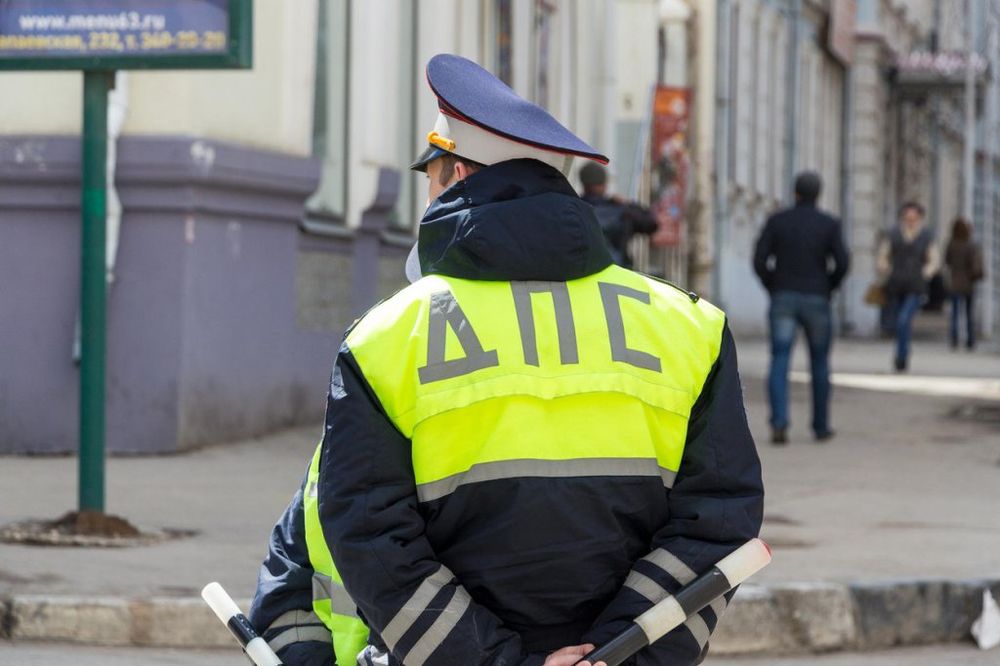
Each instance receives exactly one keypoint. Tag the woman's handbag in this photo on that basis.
(875, 295)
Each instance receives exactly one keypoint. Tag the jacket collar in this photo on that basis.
(515, 220)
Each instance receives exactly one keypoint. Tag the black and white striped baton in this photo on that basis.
(226, 609)
(673, 611)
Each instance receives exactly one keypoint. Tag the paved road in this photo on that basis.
(34, 654)
(951, 655)
(903, 476)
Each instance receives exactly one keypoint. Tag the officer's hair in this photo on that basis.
(448, 163)
(911, 205)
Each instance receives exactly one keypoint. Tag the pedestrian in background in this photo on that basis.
(964, 261)
(907, 259)
(619, 220)
(800, 258)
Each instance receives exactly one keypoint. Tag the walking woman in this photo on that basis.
(964, 261)
(908, 258)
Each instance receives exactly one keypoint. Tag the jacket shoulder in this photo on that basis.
(392, 313)
(705, 316)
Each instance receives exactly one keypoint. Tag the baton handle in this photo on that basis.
(675, 609)
(230, 615)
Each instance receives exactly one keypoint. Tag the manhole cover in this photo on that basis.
(86, 528)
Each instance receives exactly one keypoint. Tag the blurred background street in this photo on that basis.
(255, 210)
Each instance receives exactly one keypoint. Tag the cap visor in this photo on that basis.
(426, 157)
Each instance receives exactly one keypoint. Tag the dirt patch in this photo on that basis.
(86, 528)
(94, 523)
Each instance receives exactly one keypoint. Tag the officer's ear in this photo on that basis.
(462, 170)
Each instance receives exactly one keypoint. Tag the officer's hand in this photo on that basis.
(569, 656)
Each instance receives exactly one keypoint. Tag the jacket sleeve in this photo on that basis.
(640, 218)
(762, 253)
(716, 504)
(282, 611)
(376, 533)
(841, 259)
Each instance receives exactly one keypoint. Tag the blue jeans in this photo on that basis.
(906, 309)
(789, 310)
(957, 303)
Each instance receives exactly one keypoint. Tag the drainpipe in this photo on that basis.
(723, 108)
(792, 96)
(969, 144)
(989, 211)
(846, 182)
(935, 104)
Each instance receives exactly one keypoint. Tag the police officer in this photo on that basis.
(301, 608)
(529, 445)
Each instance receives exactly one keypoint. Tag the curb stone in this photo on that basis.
(777, 619)
(6, 618)
(112, 621)
(918, 612)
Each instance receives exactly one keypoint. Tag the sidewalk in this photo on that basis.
(905, 491)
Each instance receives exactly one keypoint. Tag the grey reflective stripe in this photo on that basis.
(669, 563)
(414, 606)
(324, 587)
(435, 635)
(446, 312)
(313, 632)
(294, 618)
(719, 607)
(646, 586)
(699, 629)
(565, 327)
(529, 467)
(620, 351)
(668, 477)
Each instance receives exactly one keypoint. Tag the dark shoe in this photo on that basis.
(825, 436)
(900, 365)
(779, 436)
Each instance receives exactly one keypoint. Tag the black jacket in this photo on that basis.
(619, 222)
(796, 248)
(282, 605)
(520, 220)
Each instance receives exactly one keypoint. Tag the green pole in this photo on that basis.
(93, 288)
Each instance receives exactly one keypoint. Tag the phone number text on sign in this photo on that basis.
(116, 42)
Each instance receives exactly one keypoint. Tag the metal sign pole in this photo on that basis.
(93, 288)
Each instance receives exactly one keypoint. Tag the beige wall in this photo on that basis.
(267, 107)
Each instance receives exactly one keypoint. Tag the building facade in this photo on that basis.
(790, 85)
(261, 211)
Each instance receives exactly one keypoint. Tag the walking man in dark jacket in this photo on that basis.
(801, 259)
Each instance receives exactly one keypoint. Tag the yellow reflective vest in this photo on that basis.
(466, 370)
(330, 600)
